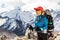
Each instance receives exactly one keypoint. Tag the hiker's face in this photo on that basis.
(38, 12)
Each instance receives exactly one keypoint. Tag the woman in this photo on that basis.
(41, 23)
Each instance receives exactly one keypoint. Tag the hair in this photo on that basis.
(45, 13)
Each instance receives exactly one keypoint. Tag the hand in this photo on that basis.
(45, 31)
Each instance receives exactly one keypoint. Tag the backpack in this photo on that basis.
(50, 22)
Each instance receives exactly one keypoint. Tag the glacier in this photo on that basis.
(16, 21)
(22, 14)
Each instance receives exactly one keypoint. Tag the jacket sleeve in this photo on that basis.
(45, 24)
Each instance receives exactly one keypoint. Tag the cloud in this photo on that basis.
(46, 4)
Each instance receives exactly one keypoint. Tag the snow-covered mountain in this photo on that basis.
(17, 20)
(18, 16)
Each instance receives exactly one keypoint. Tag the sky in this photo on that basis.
(46, 4)
(7, 5)
(29, 4)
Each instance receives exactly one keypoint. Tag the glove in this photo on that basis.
(41, 29)
(45, 31)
